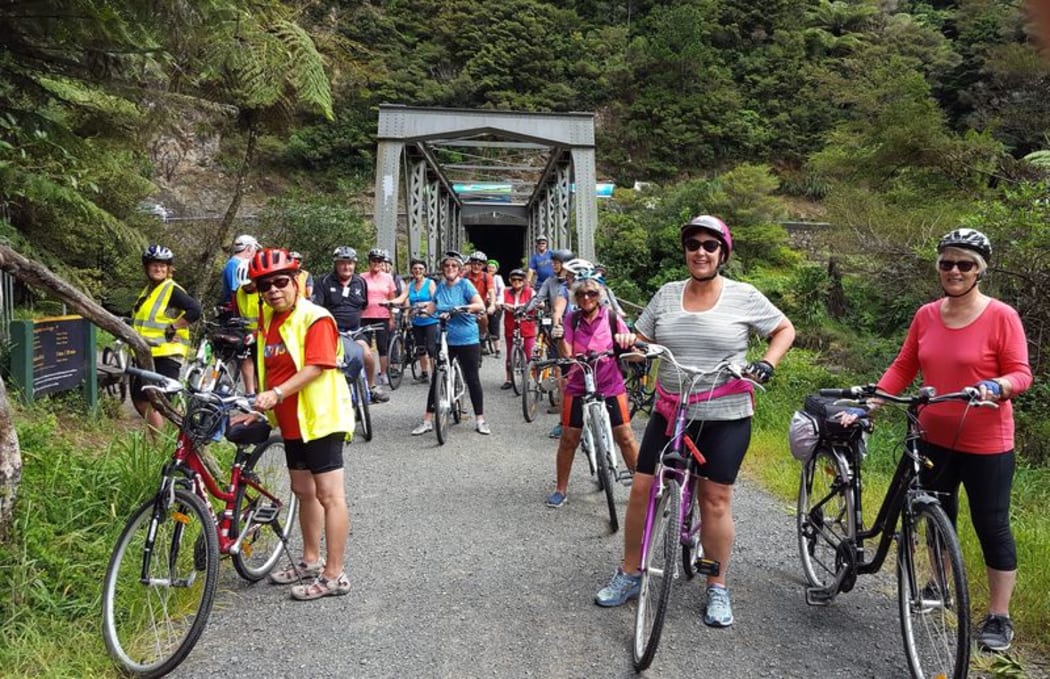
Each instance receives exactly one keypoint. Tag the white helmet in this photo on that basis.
(242, 274)
(579, 266)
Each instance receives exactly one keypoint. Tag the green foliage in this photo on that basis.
(315, 226)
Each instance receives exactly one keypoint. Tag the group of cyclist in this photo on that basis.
(963, 339)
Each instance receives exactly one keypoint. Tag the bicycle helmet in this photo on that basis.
(377, 253)
(345, 252)
(967, 239)
(579, 267)
(271, 261)
(451, 254)
(561, 255)
(479, 256)
(493, 262)
(541, 237)
(244, 241)
(157, 253)
(713, 225)
(242, 274)
(296, 255)
(516, 273)
(416, 261)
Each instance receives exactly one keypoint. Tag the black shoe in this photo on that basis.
(506, 385)
(995, 633)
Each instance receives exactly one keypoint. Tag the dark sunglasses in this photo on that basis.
(279, 282)
(591, 294)
(694, 244)
(517, 279)
(964, 265)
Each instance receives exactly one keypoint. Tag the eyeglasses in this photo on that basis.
(517, 279)
(279, 282)
(452, 265)
(964, 265)
(589, 294)
(694, 244)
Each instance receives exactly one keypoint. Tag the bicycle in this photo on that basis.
(448, 396)
(115, 360)
(518, 359)
(539, 380)
(640, 380)
(217, 363)
(932, 592)
(402, 345)
(160, 584)
(360, 394)
(596, 439)
(672, 520)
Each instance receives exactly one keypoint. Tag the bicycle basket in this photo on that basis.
(825, 411)
(203, 420)
(803, 435)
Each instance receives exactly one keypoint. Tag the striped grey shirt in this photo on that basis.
(703, 339)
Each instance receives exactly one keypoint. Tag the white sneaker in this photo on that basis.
(424, 427)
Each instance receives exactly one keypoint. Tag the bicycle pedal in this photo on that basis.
(708, 567)
(266, 514)
(816, 596)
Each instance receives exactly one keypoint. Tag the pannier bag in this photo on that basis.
(816, 422)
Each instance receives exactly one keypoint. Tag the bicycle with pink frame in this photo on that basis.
(672, 520)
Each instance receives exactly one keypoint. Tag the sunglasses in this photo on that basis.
(450, 265)
(279, 282)
(517, 279)
(694, 244)
(964, 265)
(590, 294)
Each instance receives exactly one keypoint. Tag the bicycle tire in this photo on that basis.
(935, 630)
(692, 548)
(395, 367)
(150, 628)
(605, 473)
(118, 389)
(442, 406)
(265, 474)
(530, 395)
(518, 364)
(657, 576)
(587, 448)
(825, 517)
(457, 392)
(362, 409)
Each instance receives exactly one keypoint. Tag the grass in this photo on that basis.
(770, 463)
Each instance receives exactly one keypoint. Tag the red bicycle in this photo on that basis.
(160, 583)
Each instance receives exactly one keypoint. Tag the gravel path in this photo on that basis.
(459, 570)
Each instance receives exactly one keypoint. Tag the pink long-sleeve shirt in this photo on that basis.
(993, 345)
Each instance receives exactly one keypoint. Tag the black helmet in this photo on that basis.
(345, 252)
(377, 253)
(967, 239)
(516, 273)
(157, 253)
(563, 255)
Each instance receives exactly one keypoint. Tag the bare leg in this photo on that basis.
(634, 522)
(628, 446)
(716, 514)
(1000, 589)
(570, 438)
(311, 513)
(332, 497)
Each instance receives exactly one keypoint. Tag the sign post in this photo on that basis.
(54, 354)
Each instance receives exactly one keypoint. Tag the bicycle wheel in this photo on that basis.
(395, 369)
(657, 575)
(361, 407)
(932, 593)
(149, 628)
(587, 448)
(530, 395)
(517, 369)
(442, 406)
(265, 508)
(825, 518)
(605, 473)
(457, 392)
(116, 386)
(692, 549)
(414, 354)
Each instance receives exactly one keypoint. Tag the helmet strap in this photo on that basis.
(698, 279)
(962, 294)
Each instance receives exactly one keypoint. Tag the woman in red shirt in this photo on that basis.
(516, 295)
(967, 339)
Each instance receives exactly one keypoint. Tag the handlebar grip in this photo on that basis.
(836, 393)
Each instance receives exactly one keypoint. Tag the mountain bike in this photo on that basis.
(448, 396)
(541, 377)
(160, 584)
(932, 592)
(596, 438)
(672, 519)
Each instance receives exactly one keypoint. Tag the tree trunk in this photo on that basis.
(37, 275)
(215, 241)
(837, 306)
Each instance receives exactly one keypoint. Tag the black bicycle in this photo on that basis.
(932, 592)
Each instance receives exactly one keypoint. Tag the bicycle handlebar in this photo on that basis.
(737, 370)
(924, 396)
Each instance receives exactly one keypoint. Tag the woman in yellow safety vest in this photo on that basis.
(162, 315)
(310, 401)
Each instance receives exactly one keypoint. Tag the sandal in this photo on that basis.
(297, 573)
(322, 586)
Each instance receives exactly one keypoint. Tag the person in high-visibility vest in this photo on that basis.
(162, 315)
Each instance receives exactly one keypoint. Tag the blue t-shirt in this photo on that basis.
(543, 265)
(229, 278)
(462, 329)
(421, 295)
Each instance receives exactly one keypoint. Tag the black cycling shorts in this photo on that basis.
(169, 366)
(319, 456)
(722, 442)
(572, 411)
(382, 336)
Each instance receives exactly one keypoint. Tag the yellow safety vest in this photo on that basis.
(325, 406)
(248, 307)
(300, 279)
(152, 318)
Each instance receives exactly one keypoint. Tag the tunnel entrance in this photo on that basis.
(502, 242)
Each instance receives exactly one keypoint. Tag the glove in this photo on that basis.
(169, 333)
(993, 387)
(557, 332)
(761, 371)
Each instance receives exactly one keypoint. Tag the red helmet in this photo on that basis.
(714, 226)
(271, 261)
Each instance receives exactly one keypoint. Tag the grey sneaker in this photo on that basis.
(621, 589)
(995, 633)
(424, 427)
(379, 394)
(483, 428)
(719, 611)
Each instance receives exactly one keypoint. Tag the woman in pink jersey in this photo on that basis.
(966, 338)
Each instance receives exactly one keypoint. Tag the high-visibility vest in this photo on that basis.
(152, 318)
(325, 406)
(248, 307)
(300, 279)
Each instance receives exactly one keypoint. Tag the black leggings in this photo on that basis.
(469, 355)
(987, 479)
